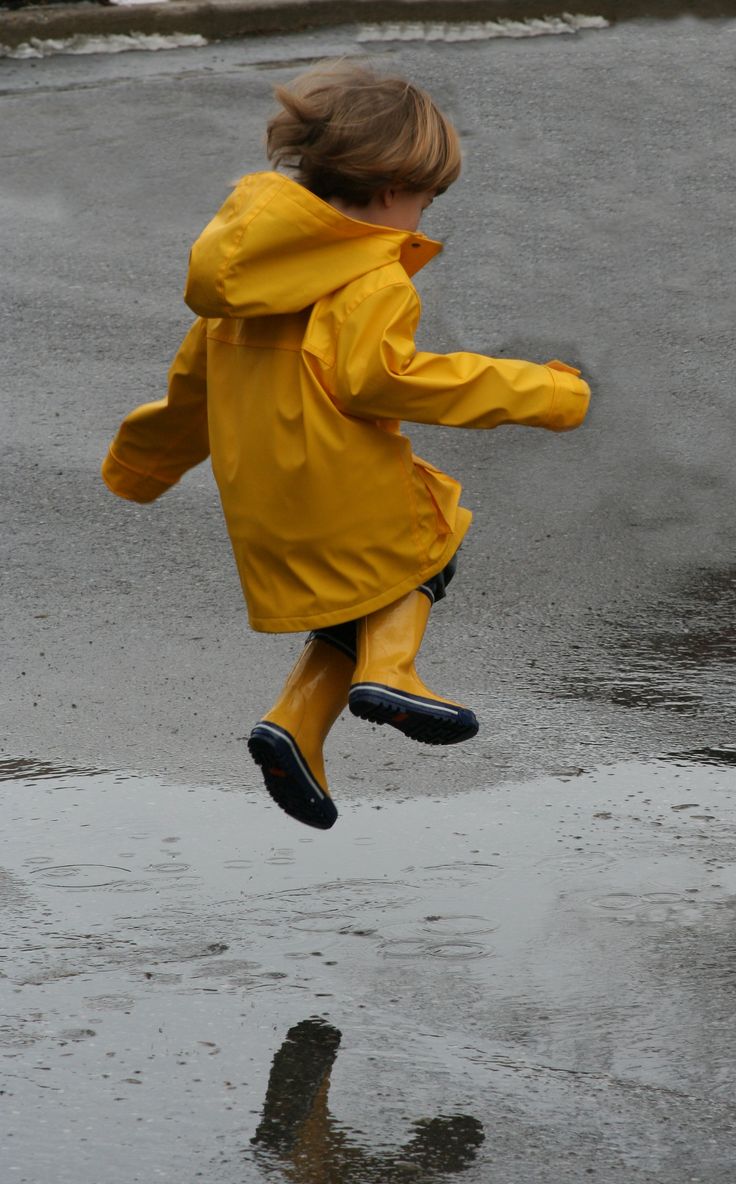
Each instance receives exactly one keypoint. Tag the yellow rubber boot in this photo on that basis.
(386, 688)
(287, 742)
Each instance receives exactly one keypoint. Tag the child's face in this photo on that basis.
(403, 210)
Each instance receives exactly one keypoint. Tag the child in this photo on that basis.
(295, 377)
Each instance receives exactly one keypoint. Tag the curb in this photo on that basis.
(219, 19)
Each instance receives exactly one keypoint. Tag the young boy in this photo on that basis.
(295, 377)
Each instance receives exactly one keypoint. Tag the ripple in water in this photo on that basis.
(458, 925)
(329, 921)
(455, 949)
(652, 907)
(168, 868)
(80, 875)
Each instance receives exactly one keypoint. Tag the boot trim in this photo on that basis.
(359, 691)
(430, 721)
(288, 778)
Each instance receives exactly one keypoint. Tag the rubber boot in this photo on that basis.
(287, 743)
(386, 688)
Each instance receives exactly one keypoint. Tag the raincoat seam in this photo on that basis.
(312, 352)
(555, 391)
(150, 475)
(246, 220)
(170, 450)
(330, 359)
(340, 403)
(421, 547)
(360, 300)
(289, 349)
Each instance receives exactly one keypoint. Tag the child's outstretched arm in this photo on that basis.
(378, 373)
(158, 442)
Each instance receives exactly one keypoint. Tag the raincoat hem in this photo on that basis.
(339, 616)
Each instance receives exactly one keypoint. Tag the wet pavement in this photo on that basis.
(593, 615)
(529, 984)
(511, 962)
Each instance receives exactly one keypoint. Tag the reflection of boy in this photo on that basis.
(299, 1131)
(295, 376)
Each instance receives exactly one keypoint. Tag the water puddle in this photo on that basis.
(706, 756)
(298, 1131)
(205, 990)
(678, 655)
(31, 771)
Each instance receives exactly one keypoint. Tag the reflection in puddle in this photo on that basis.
(538, 956)
(678, 656)
(299, 1137)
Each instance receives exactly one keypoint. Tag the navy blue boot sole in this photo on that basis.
(288, 777)
(426, 720)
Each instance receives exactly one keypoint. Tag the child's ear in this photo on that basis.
(386, 198)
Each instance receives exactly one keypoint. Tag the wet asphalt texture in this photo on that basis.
(510, 961)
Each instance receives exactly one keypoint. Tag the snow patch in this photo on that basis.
(480, 30)
(115, 43)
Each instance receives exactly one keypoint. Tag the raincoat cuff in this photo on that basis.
(570, 398)
(129, 484)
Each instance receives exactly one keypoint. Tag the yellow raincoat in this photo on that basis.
(295, 377)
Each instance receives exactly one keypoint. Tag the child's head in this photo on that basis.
(349, 134)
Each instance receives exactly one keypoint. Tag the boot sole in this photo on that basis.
(288, 777)
(425, 720)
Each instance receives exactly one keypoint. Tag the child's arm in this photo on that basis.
(159, 441)
(379, 374)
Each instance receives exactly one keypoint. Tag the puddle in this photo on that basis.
(205, 990)
(29, 770)
(705, 756)
(676, 656)
(297, 1129)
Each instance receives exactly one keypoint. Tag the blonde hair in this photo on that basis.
(347, 132)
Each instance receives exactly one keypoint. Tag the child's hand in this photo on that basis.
(556, 364)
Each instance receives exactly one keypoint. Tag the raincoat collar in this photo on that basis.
(274, 248)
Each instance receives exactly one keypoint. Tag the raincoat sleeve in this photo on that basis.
(158, 442)
(380, 374)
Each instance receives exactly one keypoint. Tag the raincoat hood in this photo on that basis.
(276, 248)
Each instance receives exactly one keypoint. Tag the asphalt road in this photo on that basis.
(592, 625)
(592, 223)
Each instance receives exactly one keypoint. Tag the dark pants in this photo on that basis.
(344, 637)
